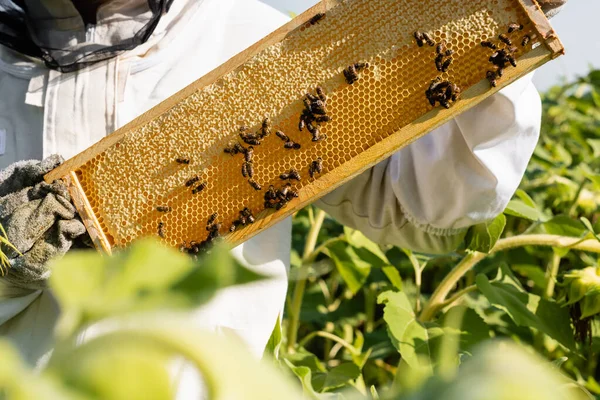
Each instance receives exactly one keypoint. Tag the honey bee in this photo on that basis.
(191, 181)
(428, 39)
(440, 49)
(239, 148)
(182, 160)
(283, 192)
(311, 128)
(323, 118)
(255, 185)
(318, 136)
(453, 92)
(161, 226)
(316, 18)
(317, 107)
(265, 129)
(271, 193)
(230, 150)
(163, 209)
(514, 27)
(500, 72)
(213, 232)
(504, 39)
(439, 61)
(292, 145)
(511, 60)
(321, 94)
(419, 38)
(449, 52)
(526, 40)
(248, 154)
(283, 136)
(491, 77)
(351, 73)
(488, 44)
(199, 188)
(446, 64)
(245, 170)
(316, 167)
(252, 142)
(211, 219)
(250, 169)
(247, 213)
(292, 174)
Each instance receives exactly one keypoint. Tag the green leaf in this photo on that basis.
(274, 343)
(517, 305)
(368, 250)
(483, 237)
(304, 374)
(522, 209)
(473, 329)
(564, 226)
(410, 336)
(393, 275)
(147, 276)
(340, 376)
(525, 198)
(595, 145)
(588, 225)
(351, 267)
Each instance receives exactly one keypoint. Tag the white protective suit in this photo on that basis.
(424, 197)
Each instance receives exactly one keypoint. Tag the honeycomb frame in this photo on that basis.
(117, 183)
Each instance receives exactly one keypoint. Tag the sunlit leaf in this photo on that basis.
(411, 337)
(564, 226)
(394, 277)
(352, 268)
(483, 237)
(521, 209)
(340, 376)
(518, 305)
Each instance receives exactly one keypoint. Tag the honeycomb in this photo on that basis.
(122, 180)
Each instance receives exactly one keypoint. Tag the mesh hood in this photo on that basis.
(54, 31)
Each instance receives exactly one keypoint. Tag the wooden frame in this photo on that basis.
(551, 49)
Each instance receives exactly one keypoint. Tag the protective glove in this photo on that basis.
(551, 7)
(39, 219)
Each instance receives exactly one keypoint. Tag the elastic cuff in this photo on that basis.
(427, 228)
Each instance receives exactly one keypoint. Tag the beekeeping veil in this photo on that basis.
(54, 30)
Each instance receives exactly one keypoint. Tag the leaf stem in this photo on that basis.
(438, 297)
(330, 336)
(551, 275)
(309, 247)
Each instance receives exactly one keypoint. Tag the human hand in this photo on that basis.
(551, 7)
(39, 220)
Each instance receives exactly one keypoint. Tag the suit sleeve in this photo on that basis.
(429, 193)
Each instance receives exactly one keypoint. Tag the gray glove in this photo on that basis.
(39, 219)
(552, 7)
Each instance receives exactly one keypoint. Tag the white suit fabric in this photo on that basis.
(423, 197)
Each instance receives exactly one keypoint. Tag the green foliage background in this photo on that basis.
(512, 314)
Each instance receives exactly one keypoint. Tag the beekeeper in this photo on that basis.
(73, 71)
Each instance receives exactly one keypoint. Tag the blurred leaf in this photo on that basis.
(595, 145)
(519, 208)
(272, 347)
(564, 226)
(340, 376)
(303, 358)
(394, 276)
(588, 225)
(147, 276)
(368, 250)
(525, 198)
(483, 237)
(351, 267)
(412, 338)
(516, 304)
(305, 376)
(473, 330)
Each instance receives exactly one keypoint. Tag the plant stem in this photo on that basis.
(551, 275)
(330, 336)
(441, 292)
(418, 281)
(458, 295)
(309, 247)
(573, 207)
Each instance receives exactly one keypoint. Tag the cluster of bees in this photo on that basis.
(312, 117)
(502, 57)
(439, 91)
